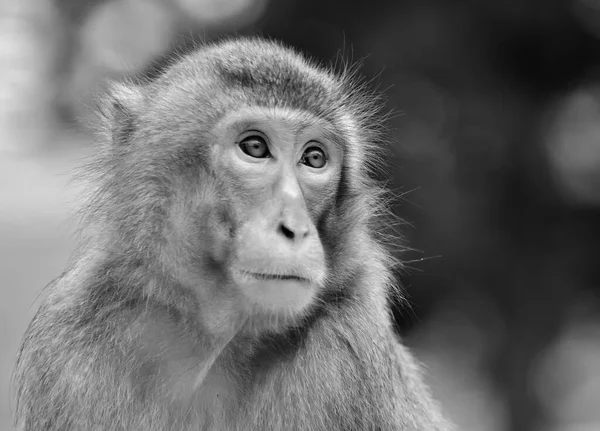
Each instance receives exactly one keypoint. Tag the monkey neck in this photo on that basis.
(331, 339)
(361, 292)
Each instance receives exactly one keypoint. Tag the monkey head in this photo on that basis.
(245, 168)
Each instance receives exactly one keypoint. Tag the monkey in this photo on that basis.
(232, 275)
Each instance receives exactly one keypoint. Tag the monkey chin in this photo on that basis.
(277, 293)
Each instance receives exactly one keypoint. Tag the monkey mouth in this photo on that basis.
(271, 277)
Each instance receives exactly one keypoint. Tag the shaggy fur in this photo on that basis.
(131, 336)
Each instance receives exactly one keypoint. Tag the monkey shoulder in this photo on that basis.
(93, 360)
(340, 373)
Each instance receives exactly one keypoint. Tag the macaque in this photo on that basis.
(233, 276)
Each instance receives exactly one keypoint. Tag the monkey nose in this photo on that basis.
(294, 232)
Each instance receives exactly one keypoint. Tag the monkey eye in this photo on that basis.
(255, 146)
(314, 157)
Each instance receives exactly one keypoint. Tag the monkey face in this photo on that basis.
(280, 171)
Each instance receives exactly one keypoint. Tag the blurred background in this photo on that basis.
(495, 161)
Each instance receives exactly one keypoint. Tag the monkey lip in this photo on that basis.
(282, 277)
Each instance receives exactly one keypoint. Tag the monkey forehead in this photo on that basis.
(259, 72)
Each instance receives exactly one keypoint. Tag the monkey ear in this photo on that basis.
(119, 112)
